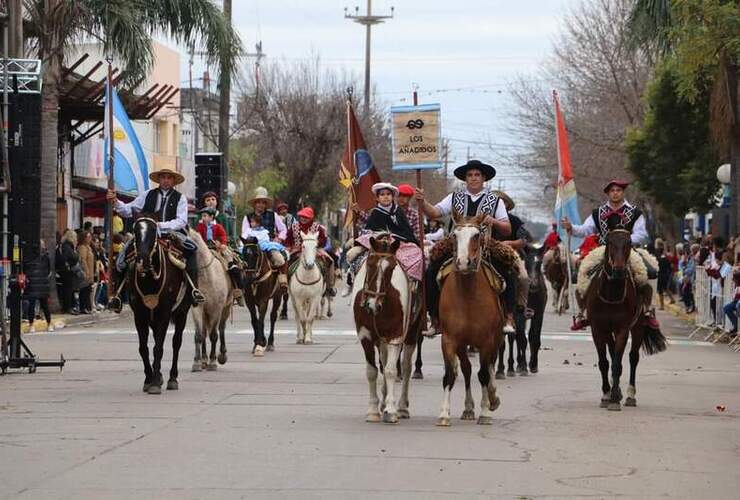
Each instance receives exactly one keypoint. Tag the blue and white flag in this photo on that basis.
(130, 170)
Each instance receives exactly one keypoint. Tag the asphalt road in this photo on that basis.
(291, 424)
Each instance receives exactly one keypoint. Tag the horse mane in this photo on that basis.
(198, 240)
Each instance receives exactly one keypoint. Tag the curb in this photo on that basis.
(67, 320)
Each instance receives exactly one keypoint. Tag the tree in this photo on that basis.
(671, 154)
(126, 28)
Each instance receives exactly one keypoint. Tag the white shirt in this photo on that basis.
(179, 222)
(445, 206)
(435, 235)
(639, 231)
(715, 287)
(280, 230)
(261, 234)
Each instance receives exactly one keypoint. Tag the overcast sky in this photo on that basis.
(475, 46)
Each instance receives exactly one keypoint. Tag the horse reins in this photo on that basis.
(303, 261)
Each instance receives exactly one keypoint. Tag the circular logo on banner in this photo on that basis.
(412, 124)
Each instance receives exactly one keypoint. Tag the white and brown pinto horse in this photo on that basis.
(470, 314)
(387, 318)
(306, 287)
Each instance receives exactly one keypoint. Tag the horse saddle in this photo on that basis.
(296, 262)
(494, 278)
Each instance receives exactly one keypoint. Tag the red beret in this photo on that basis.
(306, 212)
(616, 182)
(405, 190)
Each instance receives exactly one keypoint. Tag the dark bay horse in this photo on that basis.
(157, 290)
(536, 303)
(556, 272)
(260, 286)
(470, 314)
(615, 309)
(387, 314)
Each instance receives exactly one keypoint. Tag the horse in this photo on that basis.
(615, 310)
(387, 316)
(306, 286)
(470, 314)
(260, 286)
(556, 272)
(536, 302)
(158, 296)
(210, 318)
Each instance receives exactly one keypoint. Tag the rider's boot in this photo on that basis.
(235, 273)
(191, 268)
(348, 288)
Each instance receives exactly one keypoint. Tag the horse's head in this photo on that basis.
(379, 266)
(618, 248)
(252, 257)
(145, 242)
(309, 248)
(467, 235)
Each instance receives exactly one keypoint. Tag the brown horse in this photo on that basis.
(260, 286)
(158, 295)
(470, 315)
(387, 318)
(556, 272)
(615, 308)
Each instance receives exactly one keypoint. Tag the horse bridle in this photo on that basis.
(610, 277)
(377, 294)
(160, 275)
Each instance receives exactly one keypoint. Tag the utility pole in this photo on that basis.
(368, 20)
(15, 42)
(224, 107)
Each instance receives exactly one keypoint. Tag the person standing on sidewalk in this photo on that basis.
(87, 262)
(38, 273)
(67, 262)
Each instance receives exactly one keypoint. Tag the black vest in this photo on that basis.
(463, 204)
(268, 221)
(606, 219)
(170, 211)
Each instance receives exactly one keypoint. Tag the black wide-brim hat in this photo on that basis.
(487, 170)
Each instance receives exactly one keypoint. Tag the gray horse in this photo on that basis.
(210, 317)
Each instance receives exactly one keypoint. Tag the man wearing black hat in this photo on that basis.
(616, 212)
(475, 199)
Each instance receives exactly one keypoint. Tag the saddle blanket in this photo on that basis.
(494, 278)
(638, 264)
(409, 256)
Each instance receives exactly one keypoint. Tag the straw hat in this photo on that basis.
(154, 176)
(260, 194)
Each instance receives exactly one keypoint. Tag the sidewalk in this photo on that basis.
(65, 320)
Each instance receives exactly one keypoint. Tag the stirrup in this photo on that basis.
(115, 304)
(197, 297)
(579, 323)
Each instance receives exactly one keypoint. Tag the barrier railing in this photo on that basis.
(711, 322)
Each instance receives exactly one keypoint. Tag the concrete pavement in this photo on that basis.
(291, 424)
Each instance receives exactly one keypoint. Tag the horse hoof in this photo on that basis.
(372, 417)
(154, 389)
(196, 366)
(270, 347)
(308, 341)
(172, 385)
(500, 376)
(510, 373)
(212, 367)
(522, 371)
(614, 406)
(299, 341)
(283, 316)
(403, 414)
(630, 402)
(468, 415)
(222, 358)
(495, 404)
(533, 369)
(330, 314)
(604, 403)
(259, 351)
(485, 420)
(443, 422)
(418, 375)
(390, 418)
(146, 387)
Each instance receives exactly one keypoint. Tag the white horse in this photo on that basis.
(306, 287)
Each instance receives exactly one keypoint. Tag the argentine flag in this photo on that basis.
(130, 171)
(566, 203)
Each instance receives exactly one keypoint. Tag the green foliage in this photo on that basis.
(671, 155)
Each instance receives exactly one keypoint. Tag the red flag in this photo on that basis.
(561, 134)
(357, 172)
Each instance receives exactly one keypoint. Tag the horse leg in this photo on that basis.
(197, 357)
(299, 321)
(284, 311)
(520, 337)
(603, 368)
(403, 402)
(308, 338)
(489, 401)
(466, 368)
(634, 360)
(255, 323)
(213, 336)
(329, 312)
(222, 357)
(142, 328)
(510, 370)
(418, 364)
(160, 332)
(535, 335)
(383, 354)
(449, 353)
(501, 364)
(371, 371)
(273, 319)
(617, 353)
(179, 321)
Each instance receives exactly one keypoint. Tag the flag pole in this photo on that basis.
(111, 183)
(424, 325)
(352, 167)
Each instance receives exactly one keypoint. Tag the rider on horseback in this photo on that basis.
(517, 241)
(172, 208)
(294, 242)
(274, 226)
(615, 213)
(214, 235)
(475, 199)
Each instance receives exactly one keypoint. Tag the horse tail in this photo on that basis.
(653, 341)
